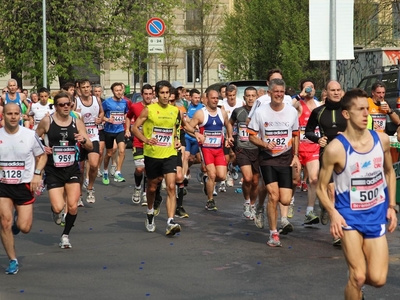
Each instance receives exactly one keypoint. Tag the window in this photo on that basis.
(193, 15)
(396, 19)
(193, 65)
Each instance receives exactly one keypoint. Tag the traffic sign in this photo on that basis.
(155, 27)
(156, 45)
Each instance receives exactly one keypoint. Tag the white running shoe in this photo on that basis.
(150, 225)
(90, 197)
(80, 202)
(222, 187)
(136, 195)
(144, 199)
(113, 169)
(99, 173)
(64, 242)
(86, 183)
(246, 210)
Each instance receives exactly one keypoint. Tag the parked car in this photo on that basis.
(390, 77)
(243, 84)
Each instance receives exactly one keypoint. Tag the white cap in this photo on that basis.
(176, 84)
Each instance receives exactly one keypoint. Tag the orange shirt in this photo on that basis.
(378, 116)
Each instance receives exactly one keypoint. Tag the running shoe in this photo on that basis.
(172, 228)
(144, 199)
(157, 206)
(181, 213)
(163, 185)
(286, 227)
(229, 180)
(85, 183)
(291, 210)
(205, 178)
(246, 210)
(12, 268)
(80, 202)
(106, 180)
(215, 192)
(304, 187)
(274, 240)
(323, 215)
(211, 205)
(99, 173)
(337, 242)
(118, 177)
(222, 187)
(136, 195)
(259, 217)
(90, 196)
(113, 169)
(150, 225)
(252, 212)
(185, 191)
(299, 185)
(57, 217)
(14, 228)
(64, 242)
(63, 215)
(311, 218)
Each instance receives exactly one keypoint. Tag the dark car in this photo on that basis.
(243, 84)
(390, 77)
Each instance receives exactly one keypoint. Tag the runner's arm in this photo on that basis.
(82, 136)
(311, 126)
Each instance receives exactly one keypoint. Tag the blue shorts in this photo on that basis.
(369, 231)
(192, 146)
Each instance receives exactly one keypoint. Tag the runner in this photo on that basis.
(42, 108)
(115, 109)
(13, 96)
(247, 154)
(160, 136)
(365, 195)
(211, 120)
(92, 114)
(277, 126)
(62, 135)
(22, 160)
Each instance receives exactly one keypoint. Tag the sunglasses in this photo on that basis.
(5, 91)
(64, 104)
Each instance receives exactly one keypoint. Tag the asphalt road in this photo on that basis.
(217, 255)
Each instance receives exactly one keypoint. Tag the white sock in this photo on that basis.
(169, 220)
(309, 208)
(247, 201)
(150, 211)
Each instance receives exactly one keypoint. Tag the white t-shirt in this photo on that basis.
(275, 126)
(39, 111)
(266, 99)
(229, 109)
(17, 155)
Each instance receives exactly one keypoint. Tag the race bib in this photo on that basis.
(100, 126)
(12, 172)
(119, 117)
(63, 156)
(212, 139)
(280, 137)
(379, 122)
(243, 134)
(163, 136)
(367, 192)
(92, 130)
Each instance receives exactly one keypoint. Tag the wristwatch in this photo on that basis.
(395, 207)
(390, 112)
(37, 172)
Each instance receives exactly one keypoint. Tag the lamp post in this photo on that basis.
(44, 43)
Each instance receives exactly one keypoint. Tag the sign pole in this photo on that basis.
(155, 28)
(156, 67)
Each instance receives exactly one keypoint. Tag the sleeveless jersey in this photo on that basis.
(117, 109)
(239, 117)
(190, 113)
(89, 115)
(62, 140)
(17, 100)
(17, 155)
(134, 112)
(361, 194)
(378, 115)
(303, 120)
(212, 129)
(39, 111)
(161, 124)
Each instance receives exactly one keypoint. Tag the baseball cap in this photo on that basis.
(176, 84)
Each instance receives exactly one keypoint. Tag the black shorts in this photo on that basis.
(182, 138)
(20, 193)
(84, 153)
(58, 177)
(110, 137)
(101, 136)
(248, 157)
(158, 167)
(282, 175)
(179, 159)
(226, 150)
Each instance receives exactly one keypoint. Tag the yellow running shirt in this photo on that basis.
(161, 124)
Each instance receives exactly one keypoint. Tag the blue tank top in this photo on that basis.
(117, 109)
(17, 100)
(361, 193)
(190, 113)
(212, 129)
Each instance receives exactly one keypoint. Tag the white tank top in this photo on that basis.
(89, 115)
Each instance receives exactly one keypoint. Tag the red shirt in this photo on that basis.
(133, 113)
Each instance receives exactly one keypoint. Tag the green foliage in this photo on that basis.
(260, 35)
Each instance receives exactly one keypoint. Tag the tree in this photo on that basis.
(260, 35)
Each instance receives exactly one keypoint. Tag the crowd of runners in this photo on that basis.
(280, 140)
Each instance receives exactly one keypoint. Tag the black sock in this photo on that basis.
(144, 182)
(138, 179)
(69, 223)
(179, 197)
